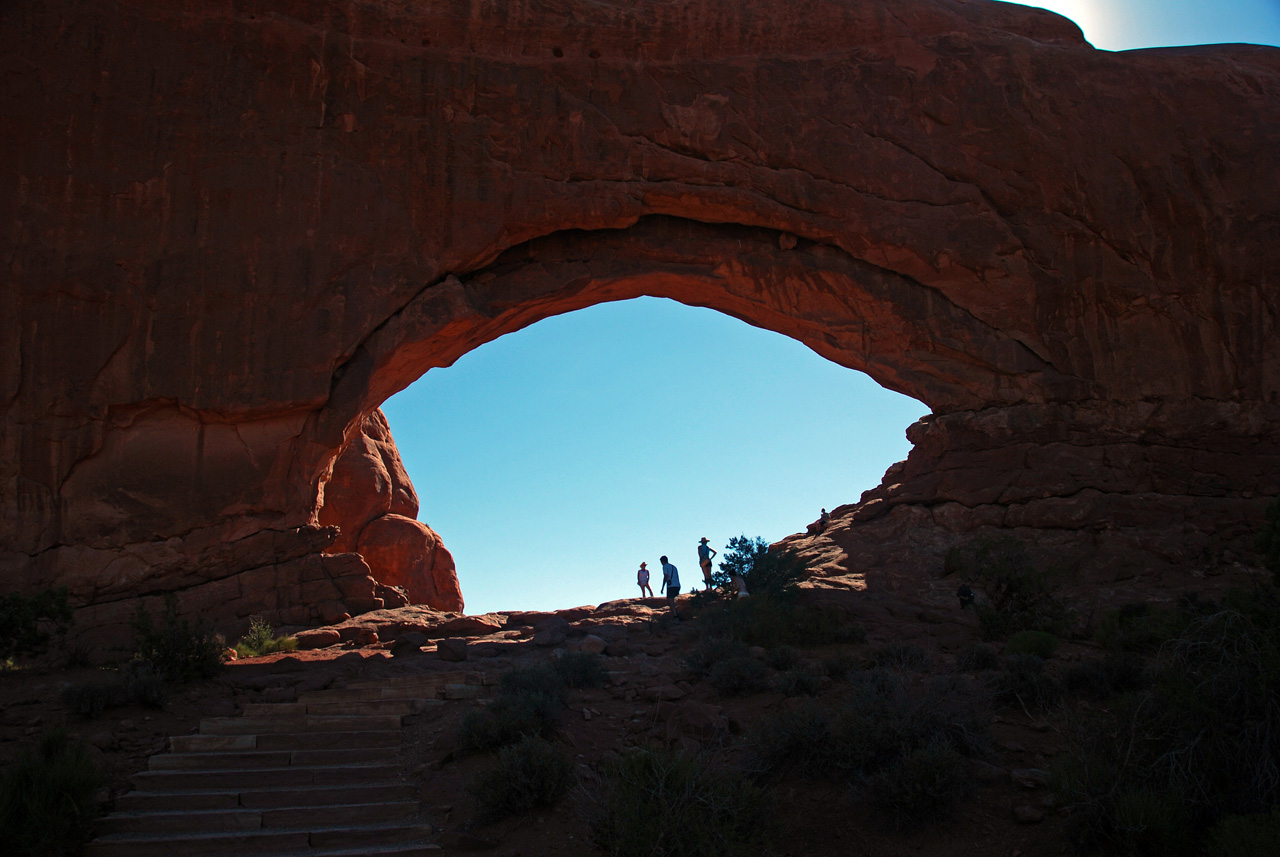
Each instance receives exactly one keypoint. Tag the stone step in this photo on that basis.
(242, 819)
(359, 707)
(255, 759)
(407, 684)
(285, 741)
(213, 761)
(263, 725)
(294, 775)
(365, 839)
(177, 801)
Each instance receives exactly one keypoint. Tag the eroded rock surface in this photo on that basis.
(372, 502)
(230, 232)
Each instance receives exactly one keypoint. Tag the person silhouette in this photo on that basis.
(642, 580)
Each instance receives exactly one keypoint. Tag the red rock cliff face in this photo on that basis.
(231, 231)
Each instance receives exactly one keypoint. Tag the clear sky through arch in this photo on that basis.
(555, 459)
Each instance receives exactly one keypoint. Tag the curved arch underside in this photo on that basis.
(232, 233)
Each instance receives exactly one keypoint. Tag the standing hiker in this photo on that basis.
(670, 584)
(642, 580)
(705, 553)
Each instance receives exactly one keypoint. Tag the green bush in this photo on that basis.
(25, 620)
(978, 657)
(529, 775)
(136, 683)
(580, 669)
(1268, 540)
(925, 785)
(261, 640)
(530, 703)
(899, 656)
(774, 573)
(656, 803)
(509, 719)
(179, 651)
(1019, 597)
(1245, 835)
(47, 798)
(1042, 644)
(739, 677)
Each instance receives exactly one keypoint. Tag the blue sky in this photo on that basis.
(555, 459)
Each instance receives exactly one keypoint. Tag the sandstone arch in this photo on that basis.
(230, 234)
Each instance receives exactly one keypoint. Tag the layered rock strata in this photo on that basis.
(230, 232)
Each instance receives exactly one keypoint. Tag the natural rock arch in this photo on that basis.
(230, 235)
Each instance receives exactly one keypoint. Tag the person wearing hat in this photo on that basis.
(642, 580)
(705, 553)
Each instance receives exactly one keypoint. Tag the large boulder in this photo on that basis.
(407, 553)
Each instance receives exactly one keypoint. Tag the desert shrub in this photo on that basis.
(1019, 597)
(773, 573)
(882, 721)
(782, 658)
(508, 719)
(262, 640)
(899, 656)
(1042, 644)
(1268, 540)
(839, 665)
(1023, 681)
(47, 804)
(179, 651)
(536, 681)
(1141, 627)
(801, 682)
(771, 621)
(739, 677)
(529, 775)
(1102, 678)
(26, 621)
(1196, 747)
(1245, 835)
(136, 683)
(978, 657)
(925, 785)
(656, 803)
(529, 703)
(796, 740)
(580, 669)
(713, 650)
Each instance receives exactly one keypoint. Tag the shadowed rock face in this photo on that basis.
(230, 232)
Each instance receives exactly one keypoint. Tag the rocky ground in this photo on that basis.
(650, 697)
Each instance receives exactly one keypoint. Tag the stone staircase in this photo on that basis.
(319, 777)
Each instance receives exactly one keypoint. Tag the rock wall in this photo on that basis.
(230, 232)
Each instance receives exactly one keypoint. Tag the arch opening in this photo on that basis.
(555, 459)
